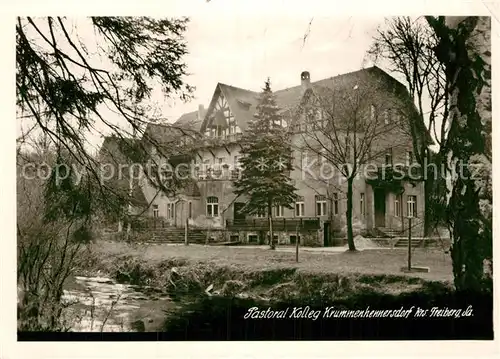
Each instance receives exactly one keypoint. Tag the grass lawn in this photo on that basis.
(369, 261)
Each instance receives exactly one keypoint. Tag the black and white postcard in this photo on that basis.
(212, 171)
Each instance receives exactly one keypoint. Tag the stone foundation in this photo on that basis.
(309, 238)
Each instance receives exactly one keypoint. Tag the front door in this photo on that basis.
(379, 204)
(326, 234)
(239, 216)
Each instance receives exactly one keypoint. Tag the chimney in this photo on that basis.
(201, 112)
(305, 80)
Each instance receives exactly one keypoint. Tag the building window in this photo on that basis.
(409, 158)
(348, 148)
(278, 122)
(170, 210)
(165, 174)
(278, 211)
(293, 239)
(372, 112)
(302, 127)
(212, 206)
(322, 156)
(205, 166)
(299, 207)
(261, 213)
(252, 238)
(322, 119)
(386, 117)
(335, 203)
(275, 237)
(222, 122)
(232, 125)
(320, 206)
(190, 210)
(412, 206)
(388, 157)
(362, 204)
(156, 211)
(310, 116)
(397, 207)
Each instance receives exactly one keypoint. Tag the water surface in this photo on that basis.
(100, 304)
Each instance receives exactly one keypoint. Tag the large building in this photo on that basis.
(207, 200)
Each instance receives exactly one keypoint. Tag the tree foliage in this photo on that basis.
(50, 236)
(74, 79)
(72, 76)
(407, 45)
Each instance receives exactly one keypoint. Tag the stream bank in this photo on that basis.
(208, 299)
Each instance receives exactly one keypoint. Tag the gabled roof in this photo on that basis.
(166, 136)
(292, 96)
(158, 133)
(243, 102)
(114, 149)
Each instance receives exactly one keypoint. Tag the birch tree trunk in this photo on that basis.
(465, 49)
(271, 233)
(350, 234)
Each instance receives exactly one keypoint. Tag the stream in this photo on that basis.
(99, 304)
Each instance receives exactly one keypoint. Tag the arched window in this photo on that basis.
(212, 206)
(372, 112)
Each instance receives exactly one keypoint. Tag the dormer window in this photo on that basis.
(372, 112)
(244, 104)
(386, 117)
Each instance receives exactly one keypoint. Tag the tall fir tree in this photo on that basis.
(266, 162)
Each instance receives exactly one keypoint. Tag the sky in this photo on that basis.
(244, 50)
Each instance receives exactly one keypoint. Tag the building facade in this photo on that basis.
(207, 200)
